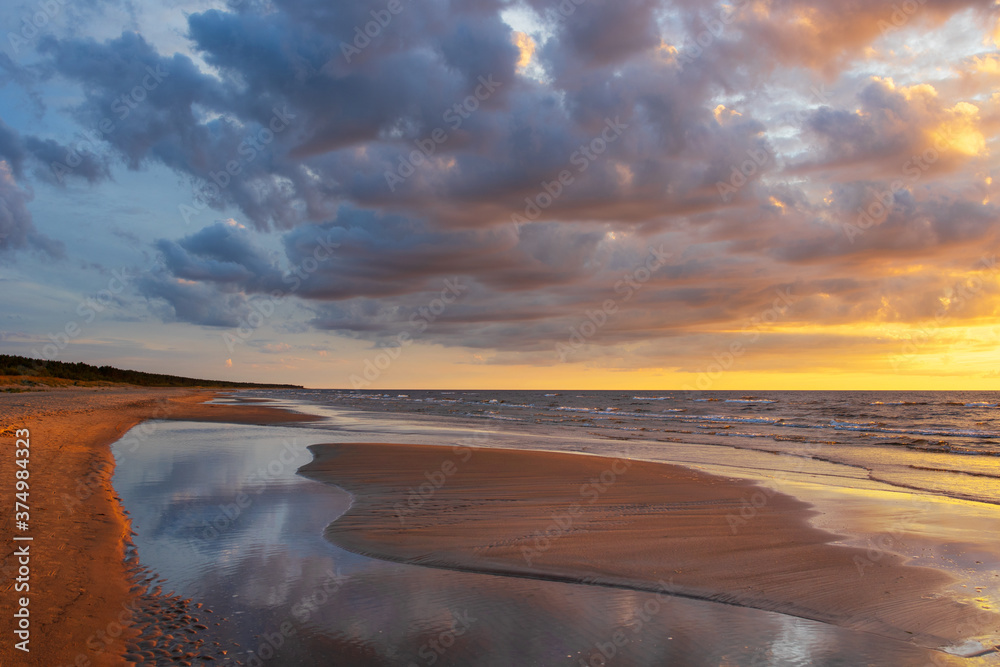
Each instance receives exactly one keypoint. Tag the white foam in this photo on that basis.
(875, 428)
(970, 649)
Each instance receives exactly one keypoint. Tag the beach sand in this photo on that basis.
(563, 517)
(84, 601)
(632, 524)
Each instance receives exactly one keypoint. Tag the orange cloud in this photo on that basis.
(526, 48)
(960, 130)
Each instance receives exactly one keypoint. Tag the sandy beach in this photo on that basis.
(605, 522)
(645, 526)
(85, 604)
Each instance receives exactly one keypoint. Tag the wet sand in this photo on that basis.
(630, 524)
(85, 600)
(606, 522)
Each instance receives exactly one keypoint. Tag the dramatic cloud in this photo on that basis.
(687, 162)
(16, 227)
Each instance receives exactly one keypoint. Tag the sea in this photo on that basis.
(939, 442)
(222, 516)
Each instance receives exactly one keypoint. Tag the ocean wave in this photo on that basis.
(957, 472)
(671, 414)
(606, 413)
(734, 420)
(950, 448)
(937, 492)
(494, 415)
(505, 404)
(874, 427)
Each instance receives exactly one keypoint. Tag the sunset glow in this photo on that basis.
(592, 194)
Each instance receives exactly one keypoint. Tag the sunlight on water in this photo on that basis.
(221, 514)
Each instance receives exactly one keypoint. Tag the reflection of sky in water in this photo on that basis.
(221, 514)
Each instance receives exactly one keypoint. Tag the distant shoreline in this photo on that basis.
(16, 370)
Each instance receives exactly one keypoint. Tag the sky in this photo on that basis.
(590, 194)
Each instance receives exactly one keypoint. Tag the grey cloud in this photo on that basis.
(191, 302)
(321, 179)
(73, 162)
(17, 230)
